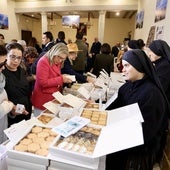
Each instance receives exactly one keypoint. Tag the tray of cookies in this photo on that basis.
(78, 146)
(37, 141)
(97, 117)
(91, 105)
(49, 119)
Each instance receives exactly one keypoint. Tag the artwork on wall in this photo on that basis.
(160, 10)
(139, 19)
(151, 35)
(3, 21)
(82, 28)
(71, 21)
(159, 33)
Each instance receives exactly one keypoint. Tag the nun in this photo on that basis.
(143, 87)
(159, 55)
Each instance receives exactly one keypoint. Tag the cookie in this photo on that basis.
(36, 129)
(21, 147)
(42, 152)
(33, 147)
(26, 141)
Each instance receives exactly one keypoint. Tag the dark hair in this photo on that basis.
(49, 35)
(141, 43)
(105, 48)
(32, 42)
(30, 52)
(14, 45)
(1, 35)
(61, 35)
(79, 35)
(3, 50)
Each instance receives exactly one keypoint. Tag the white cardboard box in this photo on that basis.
(123, 131)
(24, 165)
(65, 164)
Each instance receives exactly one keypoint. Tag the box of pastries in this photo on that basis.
(96, 117)
(93, 141)
(79, 146)
(34, 145)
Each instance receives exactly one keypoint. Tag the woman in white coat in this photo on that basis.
(5, 105)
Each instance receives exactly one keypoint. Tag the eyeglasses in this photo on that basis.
(14, 57)
(3, 63)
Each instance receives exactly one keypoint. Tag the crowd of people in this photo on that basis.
(29, 74)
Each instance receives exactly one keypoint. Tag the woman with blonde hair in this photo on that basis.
(48, 76)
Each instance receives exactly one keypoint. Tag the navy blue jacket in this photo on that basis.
(67, 69)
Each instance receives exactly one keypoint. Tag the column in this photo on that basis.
(101, 26)
(44, 22)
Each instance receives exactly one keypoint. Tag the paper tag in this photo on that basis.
(20, 108)
(71, 126)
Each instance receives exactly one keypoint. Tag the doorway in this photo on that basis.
(26, 35)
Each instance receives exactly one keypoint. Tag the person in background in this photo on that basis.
(47, 41)
(48, 77)
(23, 43)
(95, 49)
(2, 40)
(2, 37)
(17, 86)
(70, 41)
(119, 58)
(6, 106)
(87, 69)
(29, 56)
(159, 55)
(136, 44)
(67, 68)
(80, 62)
(143, 87)
(61, 37)
(103, 61)
(34, 43)
(13, 41)
(115, 49)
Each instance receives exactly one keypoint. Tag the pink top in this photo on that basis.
(48, 81)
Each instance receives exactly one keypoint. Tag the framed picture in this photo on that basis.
(3, 21)
(160, 12)
(82, 28)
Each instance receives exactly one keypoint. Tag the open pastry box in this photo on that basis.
(30, 143)
(121, 132)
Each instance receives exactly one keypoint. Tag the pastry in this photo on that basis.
(43, 134)
(42, 152)
(21, 147)
(33, 147)
(26, 141)
(36, 129)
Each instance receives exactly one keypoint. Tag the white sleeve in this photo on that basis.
(5, 107)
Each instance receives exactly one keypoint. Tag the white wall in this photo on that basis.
(149, 17)
(115, 30)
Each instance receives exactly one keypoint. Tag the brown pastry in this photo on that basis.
(42, 152)
(26, 141)
(33, 147)
(36, 129)
(21, 147)
(43, 134)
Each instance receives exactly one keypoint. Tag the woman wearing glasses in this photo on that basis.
(48, 76)
(17, 86)
(5, 105)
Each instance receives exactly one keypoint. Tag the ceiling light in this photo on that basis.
(117, 13)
